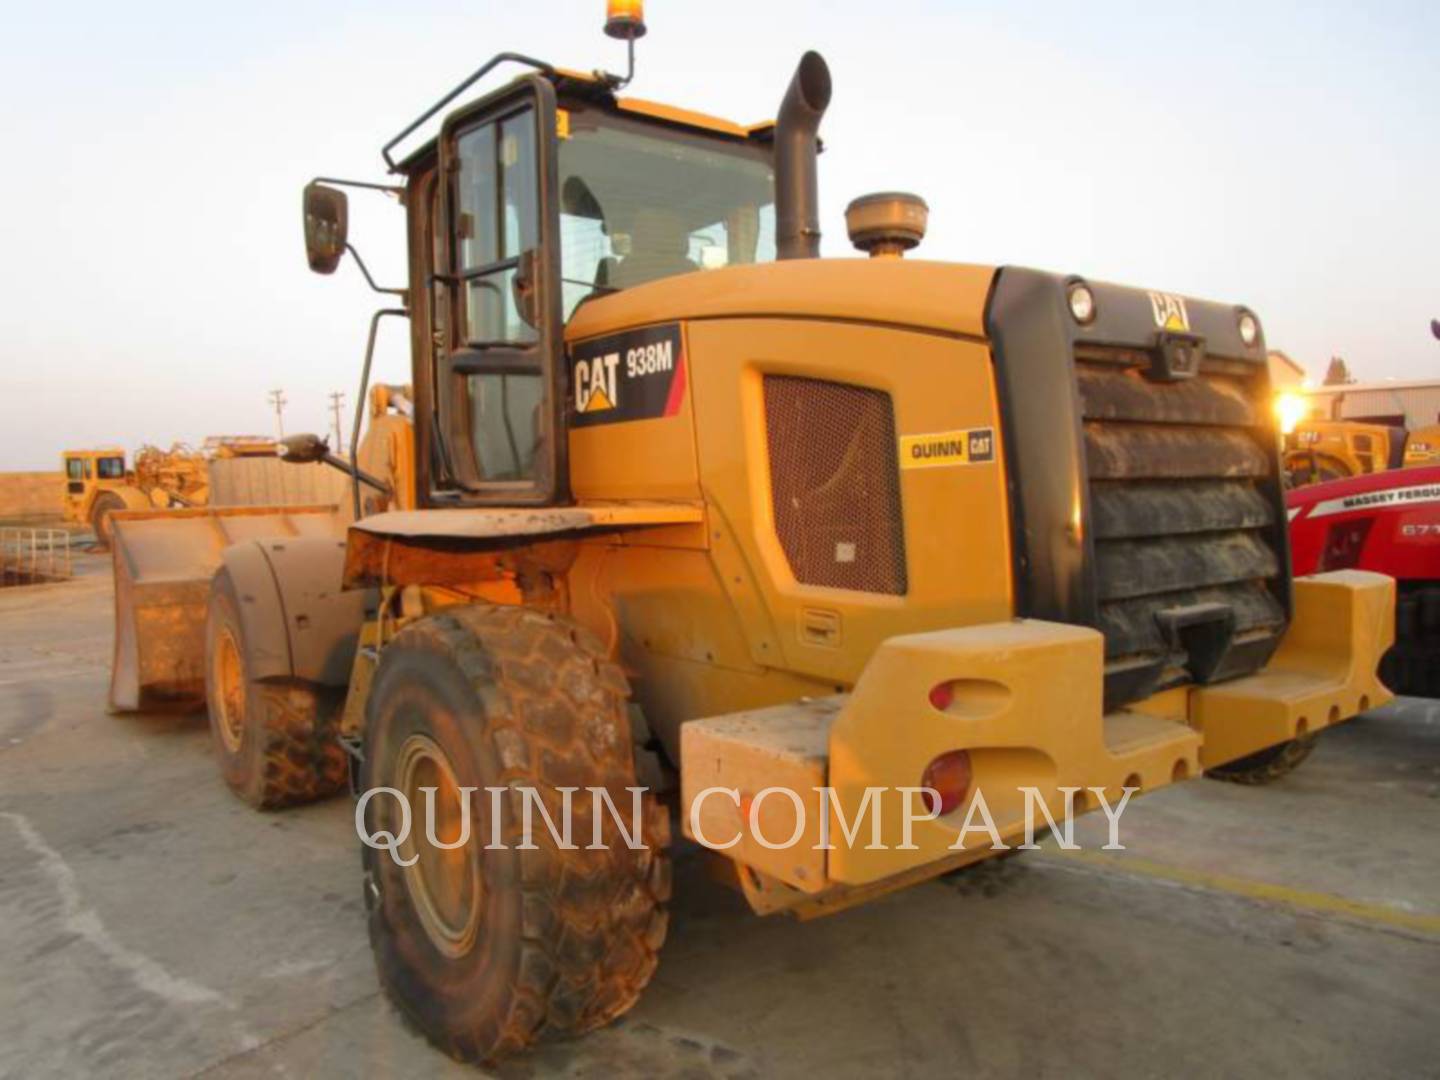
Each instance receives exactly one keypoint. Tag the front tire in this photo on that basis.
(275, 741)
(489, 948)
(1268, 765)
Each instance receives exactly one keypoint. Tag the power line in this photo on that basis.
(277, 399)
(337, 400)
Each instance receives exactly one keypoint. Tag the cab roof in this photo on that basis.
(593, 88)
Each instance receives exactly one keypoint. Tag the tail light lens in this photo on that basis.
(941, 695)
(1344, 543)
(948, 777)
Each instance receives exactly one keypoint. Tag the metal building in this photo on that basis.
(1408, 404)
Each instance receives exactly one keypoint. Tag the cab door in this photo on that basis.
(77, 473)
(497, 374)
(74, 476)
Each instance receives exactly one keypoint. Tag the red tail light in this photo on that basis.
(948, 776)
(941, 695)
(1344, 543)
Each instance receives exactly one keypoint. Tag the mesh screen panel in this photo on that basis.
(835, 483)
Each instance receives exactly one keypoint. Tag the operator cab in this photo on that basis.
(545, 194)
(86, 465)
(557, 193)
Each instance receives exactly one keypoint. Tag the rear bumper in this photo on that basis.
(1325, 671)
(1028, 707)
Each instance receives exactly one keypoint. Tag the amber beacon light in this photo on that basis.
(625, 19)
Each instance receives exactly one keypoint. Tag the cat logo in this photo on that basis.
(595, 389)
(1169, 311)
(635, 375)
(973, 446)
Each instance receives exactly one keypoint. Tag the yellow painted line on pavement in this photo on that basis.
(1321, 903)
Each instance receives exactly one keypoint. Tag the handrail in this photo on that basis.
(33, 555)
(354, 466)
(494, 62)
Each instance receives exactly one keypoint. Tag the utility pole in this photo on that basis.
(337, 399)
(277, 399)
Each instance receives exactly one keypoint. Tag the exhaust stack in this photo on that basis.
(797, 125)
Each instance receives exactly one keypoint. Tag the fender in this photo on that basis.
(297, 621)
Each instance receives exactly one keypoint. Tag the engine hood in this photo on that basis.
(947, 298)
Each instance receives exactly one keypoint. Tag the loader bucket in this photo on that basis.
(164, 560)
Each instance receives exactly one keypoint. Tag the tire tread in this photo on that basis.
(592, 921)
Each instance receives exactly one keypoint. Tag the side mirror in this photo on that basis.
(303, 449)
(327, 219)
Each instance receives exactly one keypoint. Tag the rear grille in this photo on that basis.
(835, 483)
(1182, 517)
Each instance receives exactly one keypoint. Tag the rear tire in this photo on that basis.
(1412, 665)
(1268, 765)
(105, 504)
(275, 740)
(1412, 670)
(489, 949)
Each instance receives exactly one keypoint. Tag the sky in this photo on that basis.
(155, 287)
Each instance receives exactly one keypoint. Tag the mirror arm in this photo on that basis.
(389, 189)
(402, 293)
(337, 462)
(353, 466)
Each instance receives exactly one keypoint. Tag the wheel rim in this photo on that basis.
(230, 682)
(445, 886)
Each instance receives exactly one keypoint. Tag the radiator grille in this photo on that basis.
(835, 483)
(1181, 511)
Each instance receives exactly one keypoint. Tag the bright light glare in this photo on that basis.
(1290, 409)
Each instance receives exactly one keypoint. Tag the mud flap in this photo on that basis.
(164, 560)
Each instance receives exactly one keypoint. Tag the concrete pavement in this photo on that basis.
(151, 925)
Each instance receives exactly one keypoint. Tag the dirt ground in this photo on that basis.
(152, 926)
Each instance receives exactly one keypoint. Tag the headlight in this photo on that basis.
(1082, 303)
(1249, 329)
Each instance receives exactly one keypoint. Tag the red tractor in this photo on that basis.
(1387, 522)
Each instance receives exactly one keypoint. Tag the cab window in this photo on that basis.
(497, 221)
(639, 203)
(75, 468)
(110, 468)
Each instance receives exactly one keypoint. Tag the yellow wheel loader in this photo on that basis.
(1319, 450)
(680, 513)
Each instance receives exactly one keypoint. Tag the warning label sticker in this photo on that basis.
(972, 446)
(637, 375)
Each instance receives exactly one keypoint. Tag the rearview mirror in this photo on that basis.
(303, 449)
(327, 218)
